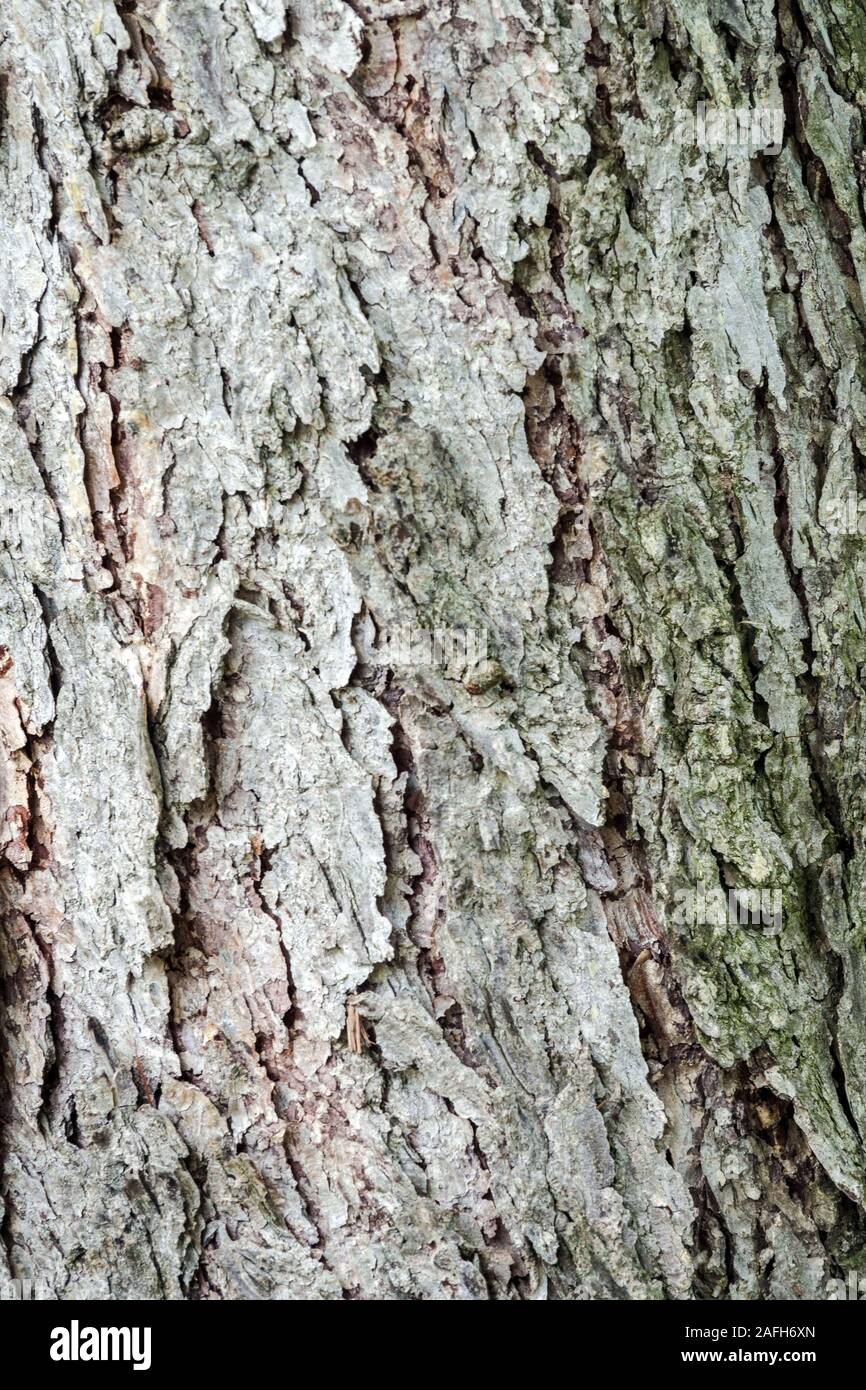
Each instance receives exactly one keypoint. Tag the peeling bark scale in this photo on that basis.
(432, 628)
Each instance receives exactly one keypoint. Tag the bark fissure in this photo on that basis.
(431, 610)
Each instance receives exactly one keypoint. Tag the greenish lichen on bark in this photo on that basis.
(330, 971)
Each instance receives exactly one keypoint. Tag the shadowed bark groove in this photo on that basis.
(431, 616)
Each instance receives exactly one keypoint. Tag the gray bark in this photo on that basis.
(332, 968)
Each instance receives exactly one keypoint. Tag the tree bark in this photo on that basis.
(342, 962)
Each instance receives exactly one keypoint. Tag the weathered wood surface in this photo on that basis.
(334, 973)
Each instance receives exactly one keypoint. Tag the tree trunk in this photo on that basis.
(432, 618)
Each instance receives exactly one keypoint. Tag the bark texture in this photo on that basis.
(327, 974)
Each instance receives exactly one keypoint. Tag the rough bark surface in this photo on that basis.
(330, 976)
